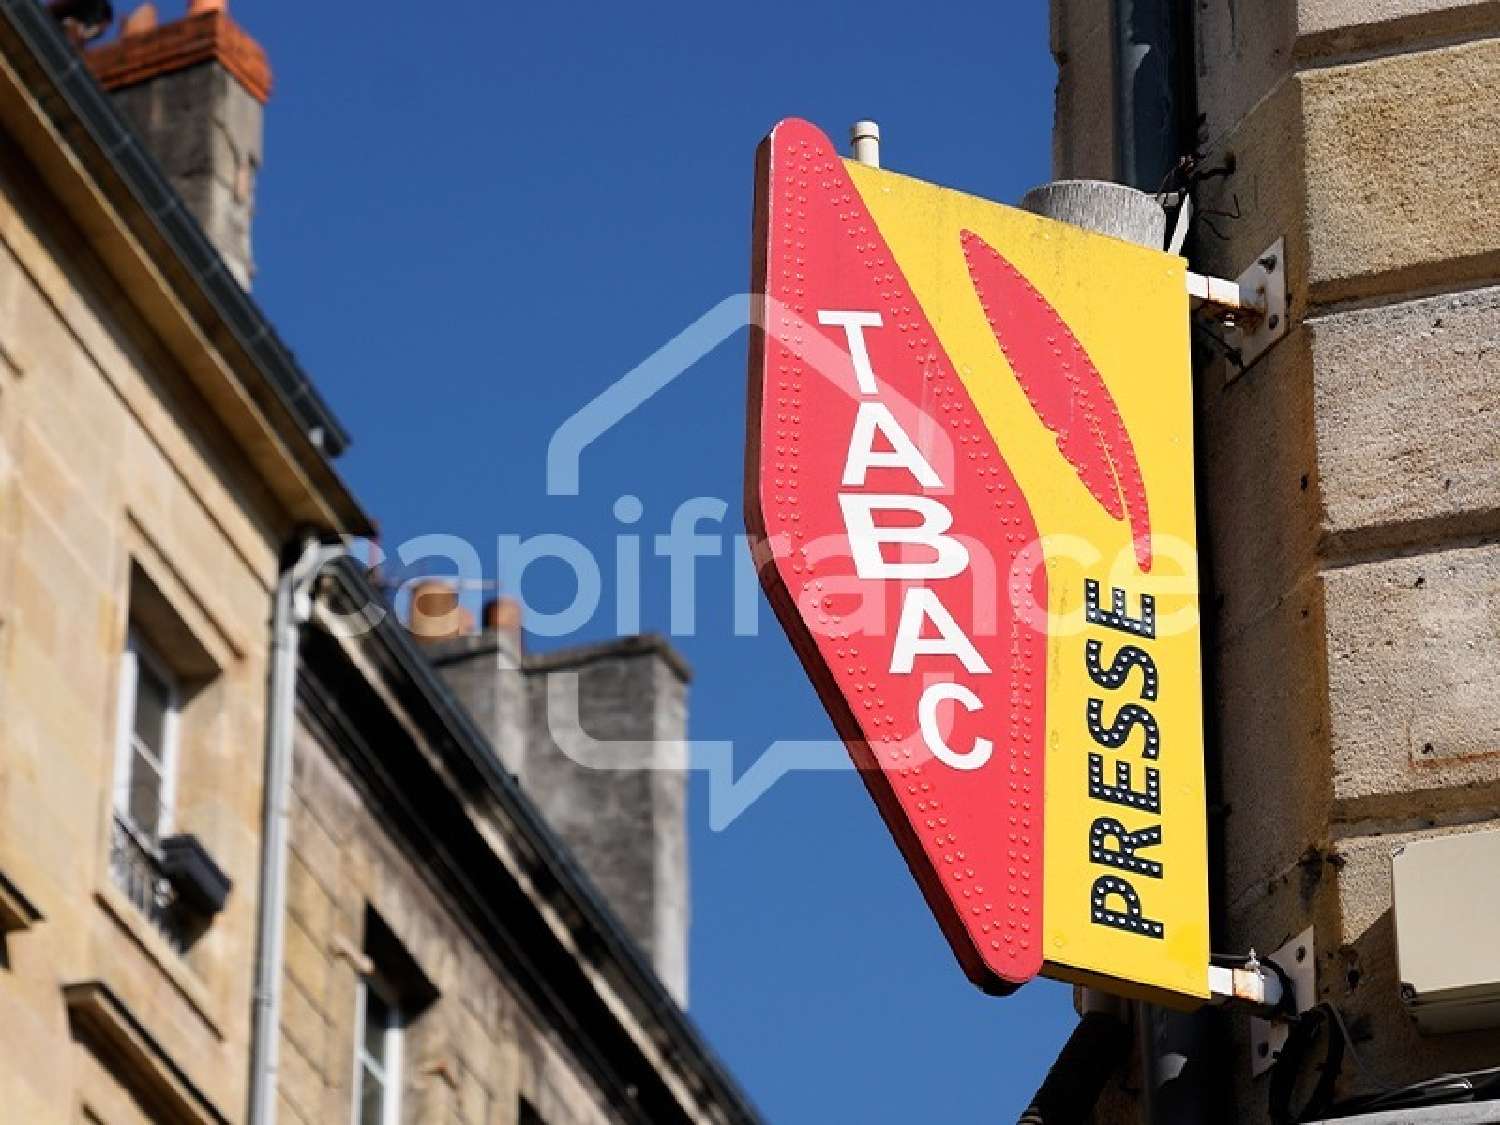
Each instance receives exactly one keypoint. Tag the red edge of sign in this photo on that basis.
(973, 961)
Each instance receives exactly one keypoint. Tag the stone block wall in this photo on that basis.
(110, 497)
(474, 1054)
(1350, 478)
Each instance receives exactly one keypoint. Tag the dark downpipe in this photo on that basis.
(1155, 126)
(1155, 111)
(1097, 1047)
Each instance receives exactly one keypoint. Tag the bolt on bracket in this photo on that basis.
(1297, 959)
(1252, 308)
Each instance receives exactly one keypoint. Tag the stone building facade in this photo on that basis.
(1349, 478)
(446, 958)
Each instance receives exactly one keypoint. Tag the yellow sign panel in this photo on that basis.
(1126, 886)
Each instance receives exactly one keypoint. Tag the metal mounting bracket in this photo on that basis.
(1252, 308)
(1267, 1036)
(1250, 987)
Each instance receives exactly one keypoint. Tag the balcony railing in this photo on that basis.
(135, 866)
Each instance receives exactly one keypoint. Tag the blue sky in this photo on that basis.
(474, 218)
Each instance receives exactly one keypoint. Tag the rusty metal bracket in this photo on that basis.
(1250, 987)
(1252, 308)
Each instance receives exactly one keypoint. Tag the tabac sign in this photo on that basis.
(970, 486)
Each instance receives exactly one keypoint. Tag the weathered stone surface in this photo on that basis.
(1402, 161)
(1259, 483)
(1414, 708)
(300, 1081)
(1083, 135)
(307, 901)
(1407, 411)
(597, 742)
(1272, 742)
(307, 959)
(1247, 199)
(462, 1047)
(205, 129)
(106, 473)
(303, 1025)
(473, 1099)
(1243, 54)
(1338, 26)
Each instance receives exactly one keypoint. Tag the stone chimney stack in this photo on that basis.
(607, 764)
(485, 671)
(596, 737)
(195, 91)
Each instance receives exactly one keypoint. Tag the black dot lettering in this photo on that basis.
(1121, 793)
(1115, 617)
(1131, 919)
(1115, 675)
(1106, 829)
(1130, 716)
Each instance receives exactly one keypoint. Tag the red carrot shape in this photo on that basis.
(1064, 388)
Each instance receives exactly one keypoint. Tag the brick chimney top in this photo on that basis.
(148, 49)
(502, 615)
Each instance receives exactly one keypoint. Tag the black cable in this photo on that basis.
(1289, 1065)
(1444, 1089)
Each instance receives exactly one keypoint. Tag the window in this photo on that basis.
(394, 995)
(168, 710)
(145, 764)
(145, 781)
(377, 1057)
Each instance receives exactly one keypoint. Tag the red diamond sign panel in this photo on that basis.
(870, 474)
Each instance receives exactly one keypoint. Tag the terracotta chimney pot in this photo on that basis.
(140, 21)
(435, 614)
(502, 615)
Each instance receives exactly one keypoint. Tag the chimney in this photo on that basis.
(596, 738)
(484, 670)
(195, 91)
(435, 614)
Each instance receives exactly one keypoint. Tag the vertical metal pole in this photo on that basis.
(864, 141)
(291, 610)
(1149, 114)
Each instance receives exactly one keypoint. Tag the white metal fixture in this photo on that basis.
(1297, 959)
(1251, 986)
(1252, 308)
(1447, 917)
(290, 611)
(864, 139)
